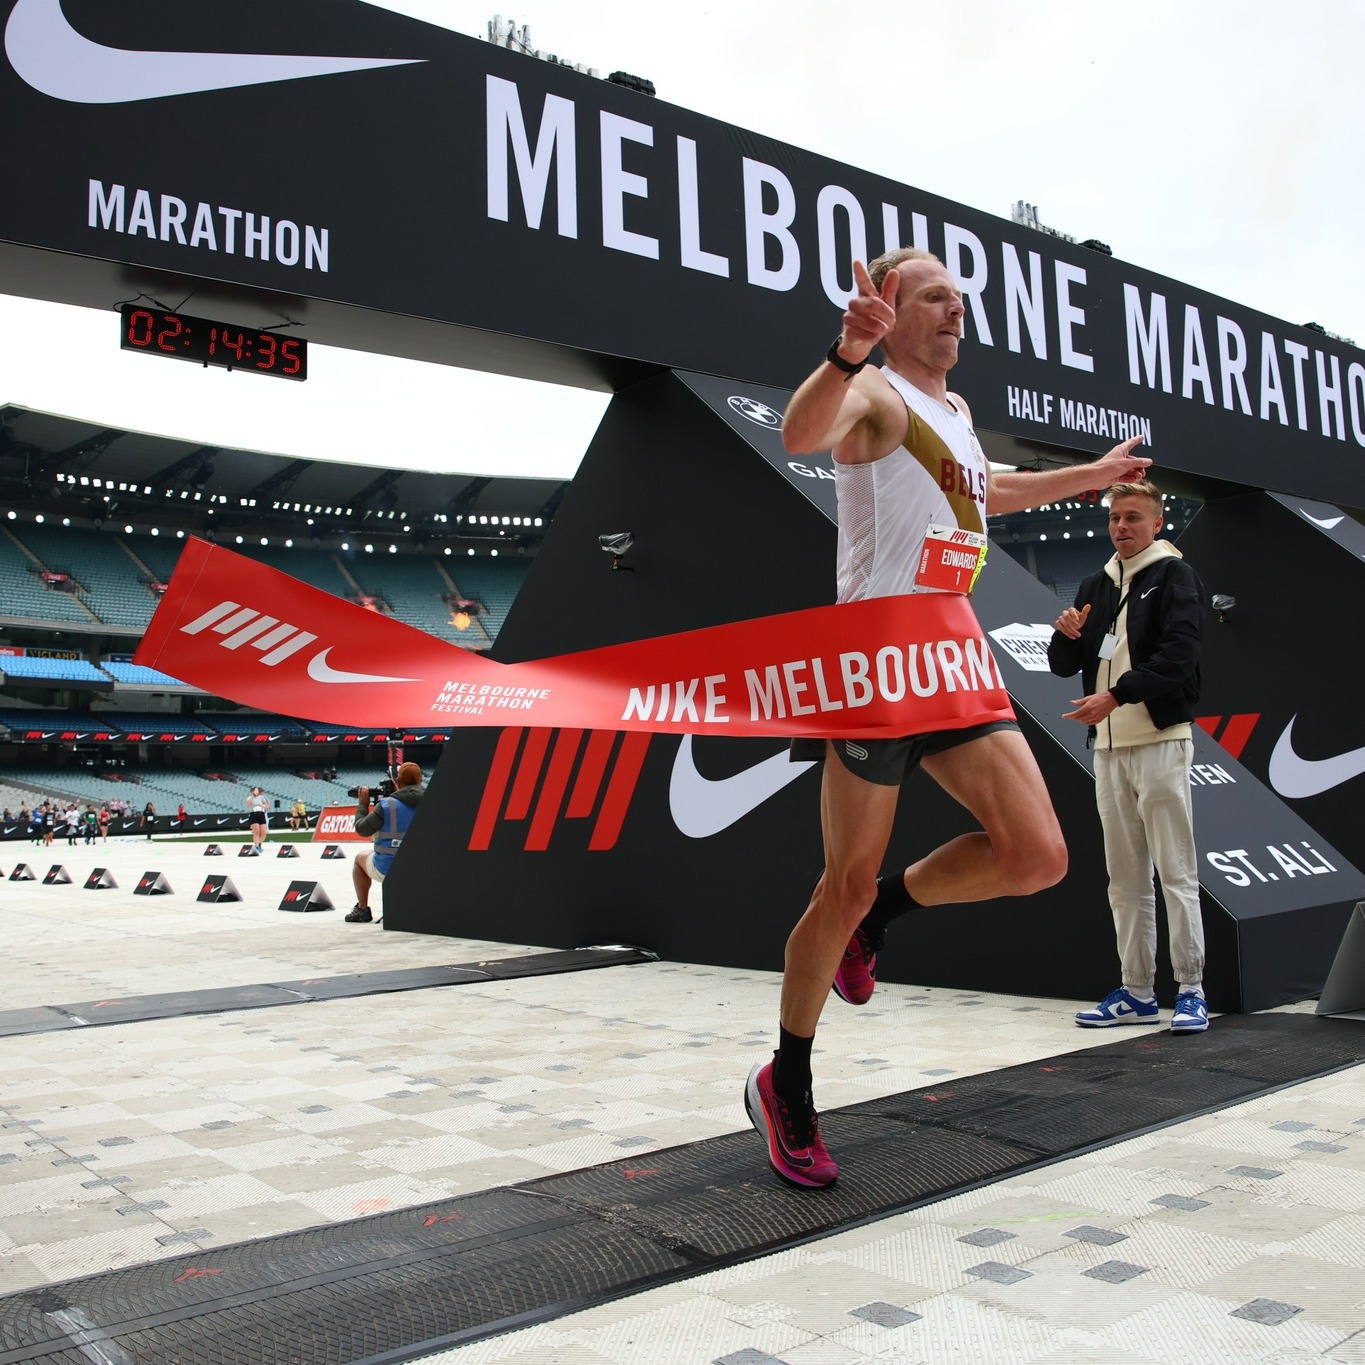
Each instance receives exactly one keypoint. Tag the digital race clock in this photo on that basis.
(206, 342)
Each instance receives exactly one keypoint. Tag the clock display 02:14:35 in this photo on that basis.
(206, 342)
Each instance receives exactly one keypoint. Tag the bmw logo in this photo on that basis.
(758, 413)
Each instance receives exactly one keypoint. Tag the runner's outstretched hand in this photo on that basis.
(871, 313)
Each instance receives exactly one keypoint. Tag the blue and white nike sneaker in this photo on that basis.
(1191, 1013)
(1119, 1007)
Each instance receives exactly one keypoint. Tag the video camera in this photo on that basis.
(386, 786)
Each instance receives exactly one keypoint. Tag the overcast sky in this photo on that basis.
(1219, 143)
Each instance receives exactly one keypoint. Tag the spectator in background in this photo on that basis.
(180, 812)
(258, 812)
(387, 820)
(298, 814)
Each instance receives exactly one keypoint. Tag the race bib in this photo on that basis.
(951, 559)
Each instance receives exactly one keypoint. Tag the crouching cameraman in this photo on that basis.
(387, 820)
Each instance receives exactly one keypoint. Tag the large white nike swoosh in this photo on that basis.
(321, 671)
(1325, 522)
(702, 807)
(1298, 778)
(48, 54)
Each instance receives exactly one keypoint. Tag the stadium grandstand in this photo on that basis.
(93, 525)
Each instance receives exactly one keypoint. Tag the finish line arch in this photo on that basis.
(413, 173)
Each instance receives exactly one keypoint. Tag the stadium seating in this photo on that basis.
(138, 675)
(319, 568)
(111, 583)
(414, 590)
(243, 721)
(167, 787)
(113, 575)
(24, 596)
(49, 670)
(158, 553)
(494, 582)
(1062, 564)
(44, 718)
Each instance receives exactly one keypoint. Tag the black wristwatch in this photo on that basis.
(839, 363)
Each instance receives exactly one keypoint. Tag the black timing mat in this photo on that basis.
(399, 1285)
(130, 1009)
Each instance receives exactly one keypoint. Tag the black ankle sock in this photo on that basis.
(892, 901)
(791, 1067)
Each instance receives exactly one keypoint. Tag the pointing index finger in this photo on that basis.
(862, 280)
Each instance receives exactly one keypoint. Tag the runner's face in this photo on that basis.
(928, 314)
(1133, 524)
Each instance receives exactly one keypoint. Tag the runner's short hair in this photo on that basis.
(888, 260)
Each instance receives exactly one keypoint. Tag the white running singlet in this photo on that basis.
(937, 476)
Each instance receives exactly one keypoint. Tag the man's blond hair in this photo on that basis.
(889, 260)
(1140, 488)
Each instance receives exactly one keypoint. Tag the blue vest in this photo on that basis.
(397, 817)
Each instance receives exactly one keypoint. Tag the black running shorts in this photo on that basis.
(887, 761)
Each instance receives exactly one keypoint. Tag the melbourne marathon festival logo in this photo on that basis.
(49, 55)
(760, 414)
(1025, 644)
(276, 640)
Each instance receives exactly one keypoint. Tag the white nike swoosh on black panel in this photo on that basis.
(49, 55)
(703, 806)
(1298, 778)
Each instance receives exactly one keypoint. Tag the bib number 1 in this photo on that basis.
(951, 559)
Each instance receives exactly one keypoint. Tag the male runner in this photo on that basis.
(906, 458)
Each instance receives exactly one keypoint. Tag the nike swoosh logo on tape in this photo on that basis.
(1297, 778)
(702, 806)
(321, 671)
(48, 54)
(1325, 522)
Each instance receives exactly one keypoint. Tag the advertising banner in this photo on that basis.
(890, 666)
(336, 824)
(242, 150)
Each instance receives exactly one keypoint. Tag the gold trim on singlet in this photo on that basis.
(930, 450)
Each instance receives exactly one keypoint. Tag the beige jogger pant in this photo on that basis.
(1143, 794)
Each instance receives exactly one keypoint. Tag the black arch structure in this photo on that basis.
(448, 200)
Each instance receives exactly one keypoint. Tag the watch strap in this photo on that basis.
(839, 363)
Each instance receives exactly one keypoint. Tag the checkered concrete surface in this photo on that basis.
(1237, 1236)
